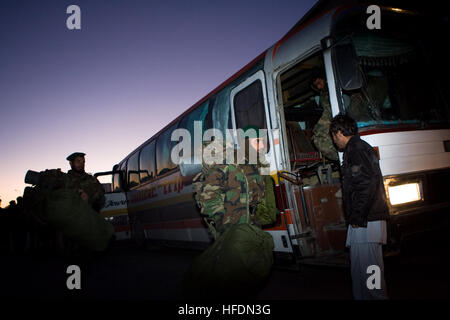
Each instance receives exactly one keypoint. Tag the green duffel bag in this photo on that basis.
(65, 211)
(266, 211)
(236, 264)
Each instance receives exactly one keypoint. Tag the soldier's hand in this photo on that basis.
(83, 195)
(355, 226)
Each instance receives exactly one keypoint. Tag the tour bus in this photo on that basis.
(393, 69)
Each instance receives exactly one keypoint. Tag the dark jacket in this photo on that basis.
(363, 189)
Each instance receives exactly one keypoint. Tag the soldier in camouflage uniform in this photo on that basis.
(321, 136)
(89, 188)
(235, 200)
(225, 194)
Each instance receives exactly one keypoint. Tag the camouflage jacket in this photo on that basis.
(228, 194)
(90, 185)
(321, 136)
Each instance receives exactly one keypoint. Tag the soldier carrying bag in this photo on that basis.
(54, 203)
(236, 264)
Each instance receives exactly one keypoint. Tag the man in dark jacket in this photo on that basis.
(365, 207)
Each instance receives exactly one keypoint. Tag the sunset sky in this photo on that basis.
(133, 67)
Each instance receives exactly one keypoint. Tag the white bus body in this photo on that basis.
(310, 221)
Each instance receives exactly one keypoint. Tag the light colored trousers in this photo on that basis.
(363, 255)
(366, 250)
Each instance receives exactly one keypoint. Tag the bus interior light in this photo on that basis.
(404, 193)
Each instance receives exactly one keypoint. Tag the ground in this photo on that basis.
(155, 273)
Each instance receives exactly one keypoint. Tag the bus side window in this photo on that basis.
(147, 163)
(220, 111)
(199, 114)
(164, 147)
(133, 170)
(249, 107)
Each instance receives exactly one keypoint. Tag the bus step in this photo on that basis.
(303, 235)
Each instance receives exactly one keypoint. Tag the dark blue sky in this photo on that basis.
(132, 68)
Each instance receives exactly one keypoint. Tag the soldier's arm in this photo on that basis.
(98, 198)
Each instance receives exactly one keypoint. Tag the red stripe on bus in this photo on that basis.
(199, 223)
(122, 228)
(180, 224)
(282, 225)
(288, 216)
(400, 129)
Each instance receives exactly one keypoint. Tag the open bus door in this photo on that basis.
(311, 184)
(115, 209)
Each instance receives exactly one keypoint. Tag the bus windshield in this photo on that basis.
(403, 79)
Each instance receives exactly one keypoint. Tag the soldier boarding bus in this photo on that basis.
(388, 79)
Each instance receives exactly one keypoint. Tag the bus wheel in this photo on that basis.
(138, 233)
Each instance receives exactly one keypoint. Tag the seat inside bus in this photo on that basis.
(301, 111)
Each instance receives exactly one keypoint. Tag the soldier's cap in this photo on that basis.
(74, 155)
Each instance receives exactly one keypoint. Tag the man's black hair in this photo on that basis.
(315, 74)
(345, 124)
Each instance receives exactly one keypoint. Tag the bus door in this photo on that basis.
(249, 107)
(115, 209)
(311, 182)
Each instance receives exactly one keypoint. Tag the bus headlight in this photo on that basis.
(405, 193)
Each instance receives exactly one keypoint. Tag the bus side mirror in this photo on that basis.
(346, 64)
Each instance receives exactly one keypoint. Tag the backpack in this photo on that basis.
(54, 203)
(236, 264)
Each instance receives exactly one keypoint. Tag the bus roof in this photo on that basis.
(317, 8)
(321, 8)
